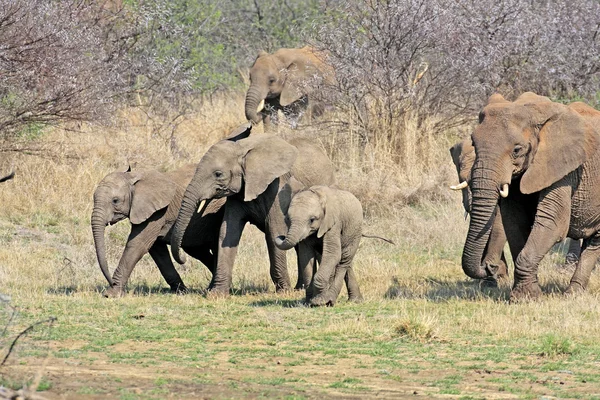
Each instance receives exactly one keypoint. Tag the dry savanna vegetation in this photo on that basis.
(409, 84)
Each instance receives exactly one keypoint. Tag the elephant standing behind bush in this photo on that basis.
(151, 201)
(539, 160)
(285, 81)
(251, 172)
(329, 222)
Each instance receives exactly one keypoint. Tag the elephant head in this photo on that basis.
(463, 157)
(523, 147)
(284, 74)
(306, 215)
(235, 164)
(121, 195)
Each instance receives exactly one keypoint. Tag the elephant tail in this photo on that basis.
(379, 237)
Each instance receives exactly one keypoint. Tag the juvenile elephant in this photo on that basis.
(250, 171)
(151, 201)
(463, 157)
(329, 222)
(548, 155)
(285, 81)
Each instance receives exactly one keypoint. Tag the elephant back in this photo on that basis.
(312, 167)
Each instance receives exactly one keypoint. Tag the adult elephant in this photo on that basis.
(151, 201)
(540, 159)
(285, 81)
(493, 257)
(252, 172)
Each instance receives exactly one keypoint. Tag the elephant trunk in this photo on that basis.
(98, 226)
(253, 98)
(485, 194)
(186, 211)
(294, 236)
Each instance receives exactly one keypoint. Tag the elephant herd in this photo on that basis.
(529, 175)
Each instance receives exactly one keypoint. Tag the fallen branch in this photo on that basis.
(50, 321)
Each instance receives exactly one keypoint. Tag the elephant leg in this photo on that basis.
(161, 256)
(323, 279)
(203, 254)
(306, 265)
(573, 253)
(352, 286)
(278, 263)
(589, 256)
(141, 239)
(493, 257)
(550, 226)
(229, 240)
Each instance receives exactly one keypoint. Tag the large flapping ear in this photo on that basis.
(301, 68)
(565, 141)
(241, 132)
(264, 159)
(329, 216)
(152, 191)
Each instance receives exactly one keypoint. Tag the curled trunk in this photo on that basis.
(290, 241)
(253, 98)
(483, 209)
(98, 227)
(188, 208)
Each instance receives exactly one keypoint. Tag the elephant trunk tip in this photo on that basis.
(283, 243)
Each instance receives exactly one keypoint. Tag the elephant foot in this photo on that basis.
(322, 300)
(114, 292)
(356, 299)
(217, 293)
(179, 289)
(574, 289)
(525, 292)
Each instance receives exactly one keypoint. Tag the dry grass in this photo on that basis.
(413, 290)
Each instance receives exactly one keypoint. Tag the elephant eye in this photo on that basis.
(517, 150)
(312, 220)
(272, 79)
(115, 200)
(218, 174)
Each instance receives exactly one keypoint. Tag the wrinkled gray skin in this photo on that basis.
(151, 200)
(251, 171)
(284, 80)
(328, 221)
(548, 155)
(463, 157)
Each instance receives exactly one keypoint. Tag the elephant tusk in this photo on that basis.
(201, 206)
(466, 215)
(261, 105)
(460, 186)
(504, 190)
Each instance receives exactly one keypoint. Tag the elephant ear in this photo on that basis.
(300, 70)
(565, 141)
(264, 159)
(329, 216)
(152, 191)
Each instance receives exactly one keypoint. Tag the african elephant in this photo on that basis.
(250, 171)
(151, 200)
(463, 157)
(547, 154)
(328, 221)
(285, 80)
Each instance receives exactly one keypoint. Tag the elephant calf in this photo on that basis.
(151, 201)
(326, 224)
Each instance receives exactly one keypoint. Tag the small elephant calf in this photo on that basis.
(326, 225)
(151, 201)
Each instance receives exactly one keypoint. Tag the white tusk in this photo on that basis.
(201, 205)
(261, 105)
(460, 186)
(504, 190)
